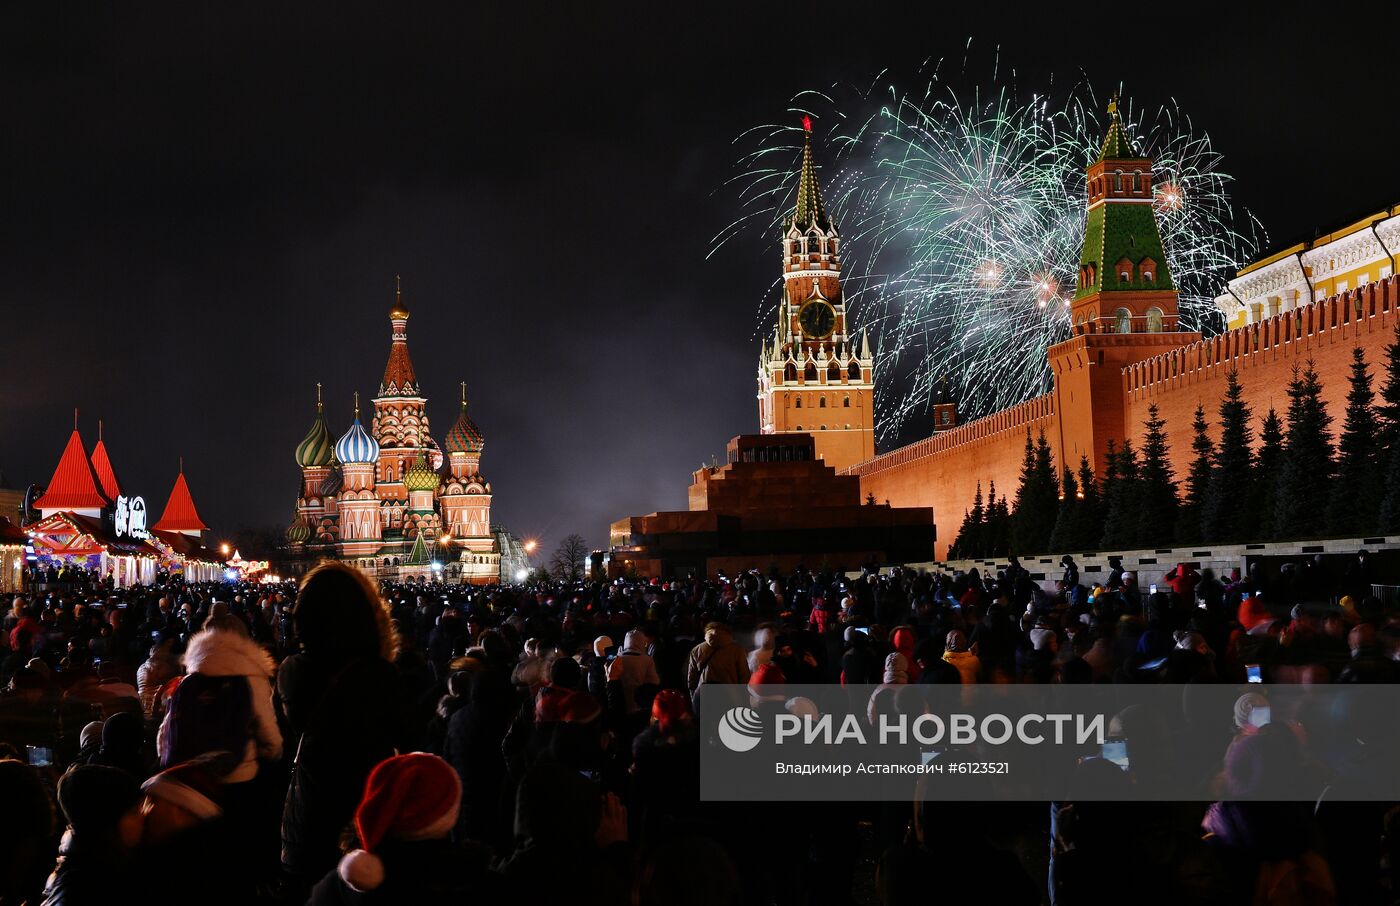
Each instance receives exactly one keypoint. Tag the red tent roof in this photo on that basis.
(102, 466)
(179, 514)
(74, 486)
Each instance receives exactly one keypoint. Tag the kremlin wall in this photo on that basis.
(1115, 366)
(942, 471)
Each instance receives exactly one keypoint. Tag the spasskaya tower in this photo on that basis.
(813, 375)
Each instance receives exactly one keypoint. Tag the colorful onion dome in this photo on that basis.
(334, 481)
(356, 447)
(420, 476)
(465, 436)
(315, 448)
(298, 531)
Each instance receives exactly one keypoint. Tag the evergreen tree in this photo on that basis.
(1263, 482)
(1300, 509)
(1356, 493)
(1157, 502)
(1192, 511)
(1034, 513)
(968, 544)
(1062, 537)
(1089, 524)
(1224, 517)
(1388, 414)
(998, 535)
(1120, 521)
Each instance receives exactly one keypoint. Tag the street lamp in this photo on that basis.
(530, 546)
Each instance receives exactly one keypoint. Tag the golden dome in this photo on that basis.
(400, 311)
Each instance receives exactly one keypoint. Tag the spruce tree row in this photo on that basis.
(1294, 485)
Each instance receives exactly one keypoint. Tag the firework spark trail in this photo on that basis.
(963, 222)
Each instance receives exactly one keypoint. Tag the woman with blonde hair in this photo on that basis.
(344, 706)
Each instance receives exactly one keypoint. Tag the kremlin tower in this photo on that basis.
(1124, 308)
(385, 497)
(813, 376)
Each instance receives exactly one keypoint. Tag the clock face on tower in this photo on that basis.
(818, 319)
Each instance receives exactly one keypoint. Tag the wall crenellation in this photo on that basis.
(1368, 308)
(1030, 413)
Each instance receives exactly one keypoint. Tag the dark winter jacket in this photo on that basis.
(342, 720)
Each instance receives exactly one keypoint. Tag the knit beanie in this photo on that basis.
(407, 797)
(896, 668)
(94, 797)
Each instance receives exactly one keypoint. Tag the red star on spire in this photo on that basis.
(806, 123)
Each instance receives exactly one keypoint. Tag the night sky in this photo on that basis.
(203, 213)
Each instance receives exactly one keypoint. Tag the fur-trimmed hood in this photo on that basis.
(217, 652)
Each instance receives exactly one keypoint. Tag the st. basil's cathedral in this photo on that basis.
(389, 499)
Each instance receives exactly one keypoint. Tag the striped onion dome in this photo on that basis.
(315, 448)
(298, 531)
(420, 476)
(356, 446)
(465, 436)
(334, 481)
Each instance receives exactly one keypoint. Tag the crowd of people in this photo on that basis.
(339, 740)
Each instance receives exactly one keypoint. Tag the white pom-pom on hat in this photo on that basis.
(362, 870)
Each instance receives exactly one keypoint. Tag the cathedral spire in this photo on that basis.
(399, 378)
(810, 211)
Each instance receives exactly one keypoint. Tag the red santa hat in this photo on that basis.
(188, 786)
(407, 797)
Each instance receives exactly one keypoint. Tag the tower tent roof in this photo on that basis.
(810, 210)
(399, 377)
(1116, 142)
(102, 468)
(179, 514)
(74, 485)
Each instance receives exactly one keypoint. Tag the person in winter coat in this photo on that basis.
(344, 707)
(637, 668)
(572, 841)
(717, 660)
(472, 746)
(158, 669)
(103, 808)
(956, 653)
(859, 664)
(904, 641)
(458, 694)
(229, 652)
(1070, 577)
(764, 640)
(403, 825)
(1183, 579)
(187, 842)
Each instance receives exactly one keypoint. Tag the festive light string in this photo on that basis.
(962, 218)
